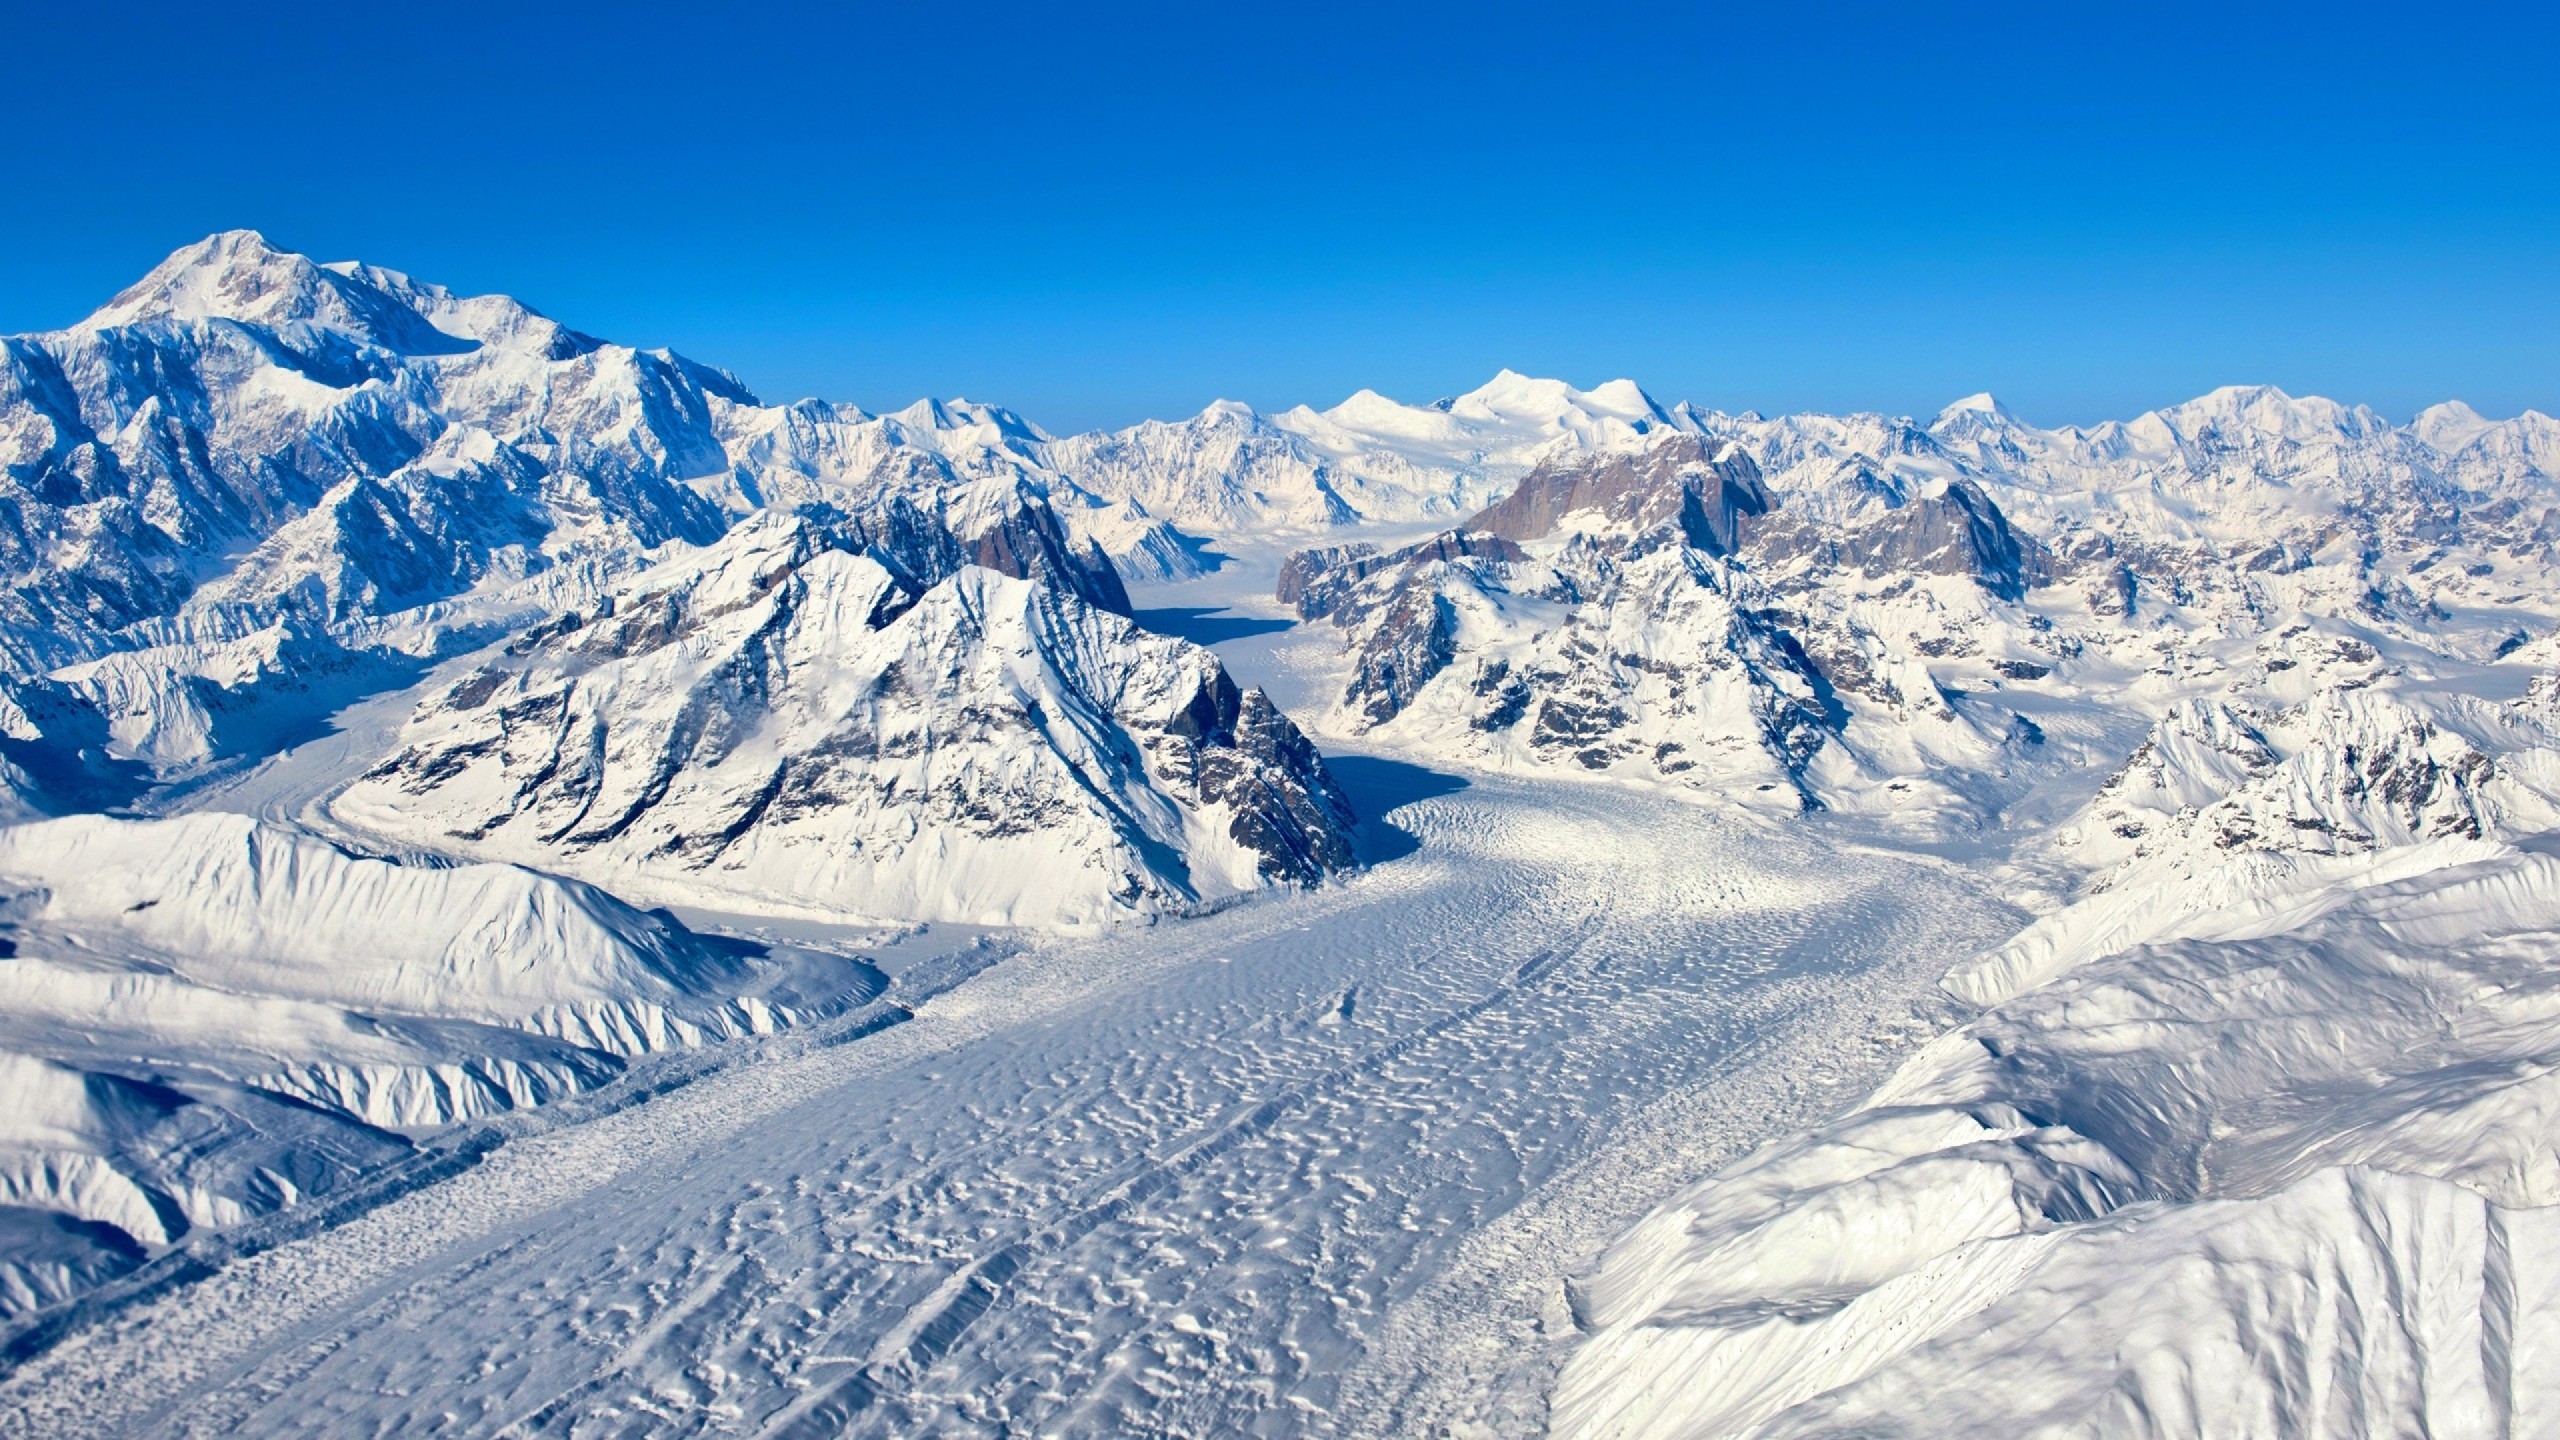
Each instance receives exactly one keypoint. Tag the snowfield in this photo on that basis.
(301, 1009)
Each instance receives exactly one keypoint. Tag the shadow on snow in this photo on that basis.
(1376, 785)
(1207, 624)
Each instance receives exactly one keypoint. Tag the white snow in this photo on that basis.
(2226, 1146)
(1226, 1176)
(2154, 821)
(276, 913)
(172, 988)
(771, 726)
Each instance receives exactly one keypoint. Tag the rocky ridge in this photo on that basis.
(777, 722)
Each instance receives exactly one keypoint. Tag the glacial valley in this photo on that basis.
(544, 894)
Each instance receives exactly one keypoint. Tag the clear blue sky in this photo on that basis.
(1096, 213)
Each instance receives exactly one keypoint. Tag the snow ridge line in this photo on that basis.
(2498, 1322)
(976, 1289)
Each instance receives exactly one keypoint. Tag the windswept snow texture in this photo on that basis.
(208, 1018)
(1313, 1166)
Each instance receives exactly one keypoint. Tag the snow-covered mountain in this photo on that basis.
(2268, 1082)
(246, 434)
(1231, 470)
(772, 723)
(1895, 604)
(2278, 1084)
(248, 439)
(246, 431)
(1663, 613)
(2248, 698)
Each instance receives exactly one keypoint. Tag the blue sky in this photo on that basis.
(1099, 213)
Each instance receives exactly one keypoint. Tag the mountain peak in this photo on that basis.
(239, 276)
(1981, 402)
(1234, 410)
(2268, 410)
(2451, 425)
(235, 266)
(1624, 398)
(1975, 414)
(1616, 409)
(1510, 385)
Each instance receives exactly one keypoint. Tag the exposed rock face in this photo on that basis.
(1407, 628)
(1029, 544)
(1702, 490)
(1661, 613)
(413, 443)
(1235, 749)
(1663, 672)
(1956, 530)
(1709, 495)
(2349, 771)
(1408, 643)
(1231, 470)
(781, 723)
(1319, 581)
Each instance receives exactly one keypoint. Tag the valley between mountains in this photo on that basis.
(544, 894)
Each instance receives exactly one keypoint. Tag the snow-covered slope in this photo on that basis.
(283, 914)
(2255, 1130)
(807, 659)
(95, 1167)
(1231, 470)
(1660, 614)
(247, 431)
(220, 931)
(253, 488)
(2275, 1072)
(208, 1018)
(250, 453)
(1153, 493)
(776, 724)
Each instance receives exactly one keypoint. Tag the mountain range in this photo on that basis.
(415, 712)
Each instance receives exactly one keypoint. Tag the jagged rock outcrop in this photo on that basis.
(1627, 619)
(1702, 491)
(1950, 530)
(1318, 582)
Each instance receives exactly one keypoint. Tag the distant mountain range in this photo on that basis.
(247, 434)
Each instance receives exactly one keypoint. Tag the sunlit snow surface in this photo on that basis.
(1315, 1164)
(1550, 1120)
